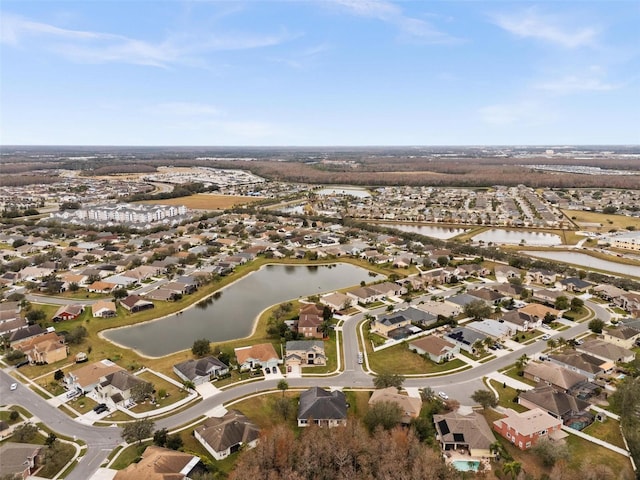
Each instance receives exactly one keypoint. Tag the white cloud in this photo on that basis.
(388, 12)
(549, 28)
(97, 47)
(576, 84)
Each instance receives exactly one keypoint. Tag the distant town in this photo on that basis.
(195, 311)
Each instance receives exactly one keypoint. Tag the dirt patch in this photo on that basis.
(205, 201)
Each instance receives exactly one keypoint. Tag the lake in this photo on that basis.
(515, 237)
(231, 312)
(443, 233)
(588, 261)
(353, 191)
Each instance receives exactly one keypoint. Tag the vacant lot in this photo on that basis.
(608, 222)
(205, 201)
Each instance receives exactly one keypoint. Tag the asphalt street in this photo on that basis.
(101, 440)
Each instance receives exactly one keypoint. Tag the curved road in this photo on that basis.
(101, 440)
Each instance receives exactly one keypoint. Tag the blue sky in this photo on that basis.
(343, 72)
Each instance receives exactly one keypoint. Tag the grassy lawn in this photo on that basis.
(173, 392)
(399, 359)
(260, 409)
(129, 455)
(583, 451)
(82, 404)
(237, 377)
(101, 348)
(358, 403)
(523, 337)
(609, 431)
(513, 373)
(64, 454)
(482, 355)
(608, 222)
(5, 416)
(506, 396)
(578, 316)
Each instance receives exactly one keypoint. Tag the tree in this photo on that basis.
(550, 452)
(119, 293)
(188, 385)
(51, 439)
(283, 386)
(484, 398)
(596, 325)
(160, 437)
(512, 468)
(551, 343)
(443, 261)
(477, 309)
(58, 375)
(76, 335)
(74, 287)
(24, 433)
(174, 442)
(386, 379)
(522, 361)
(283, 407)
(141, 390)
(576, 304)
(35, 315)
(383, 414)
(201, 347)
(562, 303)
(137, 430)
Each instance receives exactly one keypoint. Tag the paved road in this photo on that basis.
(101, 440)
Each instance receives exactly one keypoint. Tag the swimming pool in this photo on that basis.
(466, 465)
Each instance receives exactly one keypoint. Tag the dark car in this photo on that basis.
(22, 363)
(101, 408)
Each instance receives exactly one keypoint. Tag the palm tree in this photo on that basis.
(188, 385)
(522, 361)
(512, 468)
(552, 343)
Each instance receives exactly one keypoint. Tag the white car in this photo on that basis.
(546, 336)
(443, 395)
(14, 386)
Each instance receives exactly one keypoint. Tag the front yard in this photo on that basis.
(399, 359)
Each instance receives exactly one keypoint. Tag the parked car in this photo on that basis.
(100, 408)
(546, 336)
(22, 363)
(443, 395)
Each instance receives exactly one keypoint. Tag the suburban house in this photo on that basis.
(548, 297)
(135, 303)
(87, 377)
(464, 338)
(608, 292)
(520, 321)
(101, 287)
(560, 378)
(623, 336)
(464, 430)
(159, 463)
(336, 301)
(103, 309)
(438, 349)
(419, 316)
(365, 295)
(575, 284)
(318, 406)
(524, 429)
(491, 297)
(21, 334)
(302, 353)
(117, 387)
(556, 403)
(201, 370)
(386, 323)
(20, 459)
(310, 321)
(410, 406)
(505, 272)
(47, 348)
(538, 275)
(262, 355)
(492, 328)
(606, 351)
(539, 312)
(582, 363)
(222, 436)
(68, 312)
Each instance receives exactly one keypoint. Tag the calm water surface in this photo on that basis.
(442, 233)
(231, 312)
(588, 261)
(515, 237)
(354, 192)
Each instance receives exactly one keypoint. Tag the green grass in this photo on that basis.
(513, 373)
(5, 416)
(609, 431)
(330, 352)
(236, 377)
(583, 451)
(399, 359)
(82, 404)
(174, 392)
(358, 403)
(259, 409)
(506, 396)
(129, 455)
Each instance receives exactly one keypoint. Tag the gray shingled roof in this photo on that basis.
(320, 404)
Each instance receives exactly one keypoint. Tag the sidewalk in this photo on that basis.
(511, 382)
